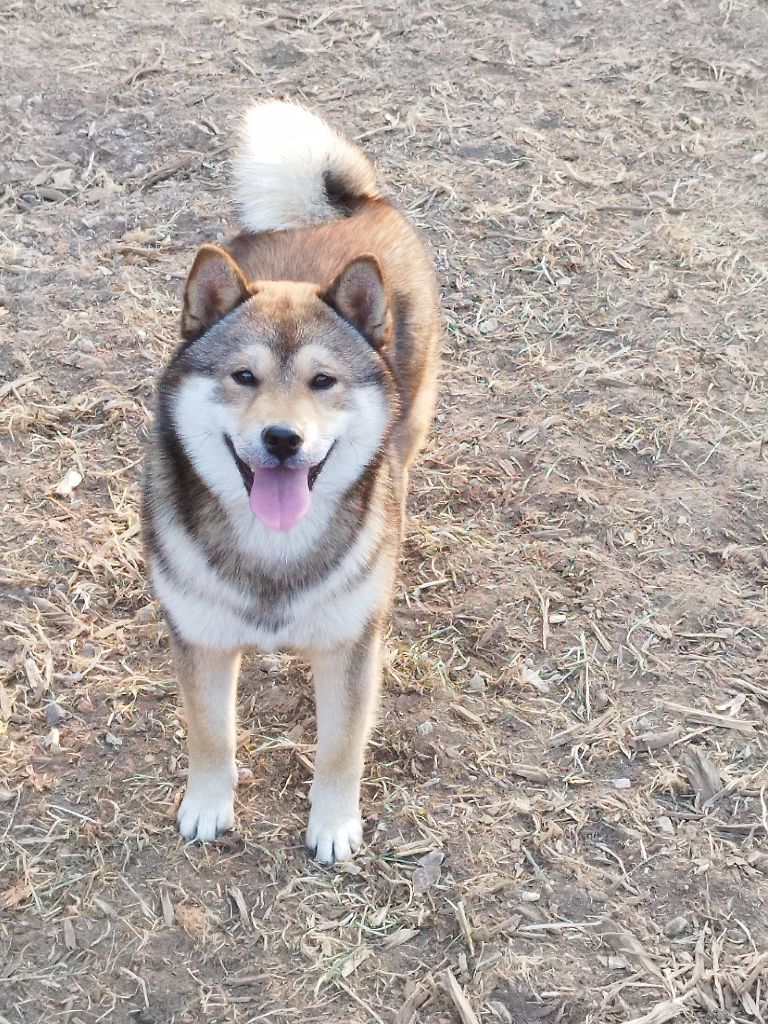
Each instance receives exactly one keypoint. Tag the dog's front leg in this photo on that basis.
(346, 686)
(208, 683)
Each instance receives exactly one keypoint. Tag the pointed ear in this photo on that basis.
(359, 295)
(215, 286)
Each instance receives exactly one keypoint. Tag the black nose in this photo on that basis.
(282, 442)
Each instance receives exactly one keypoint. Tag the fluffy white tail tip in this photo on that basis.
(292, 169)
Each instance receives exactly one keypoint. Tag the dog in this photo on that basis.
(285, 425)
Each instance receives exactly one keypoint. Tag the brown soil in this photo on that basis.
(587, 560)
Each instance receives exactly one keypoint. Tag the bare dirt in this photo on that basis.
(567, 796)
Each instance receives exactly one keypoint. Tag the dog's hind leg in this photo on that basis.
(346, 687)
(208, 683)
(410, 435)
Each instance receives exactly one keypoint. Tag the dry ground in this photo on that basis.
(577, 698)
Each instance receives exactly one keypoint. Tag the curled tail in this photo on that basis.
(292, 169)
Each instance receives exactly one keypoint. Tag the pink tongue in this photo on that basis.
(280, 496)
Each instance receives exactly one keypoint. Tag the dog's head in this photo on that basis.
(282, 387)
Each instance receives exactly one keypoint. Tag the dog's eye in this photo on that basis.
(244, 377)
(322, 381)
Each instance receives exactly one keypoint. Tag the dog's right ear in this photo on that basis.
(215, 286)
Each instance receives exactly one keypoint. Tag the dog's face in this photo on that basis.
(282, 391)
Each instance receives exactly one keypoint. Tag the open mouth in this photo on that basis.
(278, 495)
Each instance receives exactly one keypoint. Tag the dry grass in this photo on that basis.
(567, 798)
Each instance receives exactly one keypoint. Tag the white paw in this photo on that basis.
(333, 833)
(207, 810)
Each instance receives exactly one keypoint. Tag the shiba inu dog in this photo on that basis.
(285, 425)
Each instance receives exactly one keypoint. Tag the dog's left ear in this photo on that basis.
(359, 295)
(215, 286)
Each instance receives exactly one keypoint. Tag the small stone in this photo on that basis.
(489, 326)
(63, 179)
(530, 897)
(476, 684)
(622, 783)
(599, 699)
(675, 927)
(532, 678)
(106, 908)
(51, 741)
(283, 55)
(692, 120)
(350, 868)
(614, 961)
(427, 872)
(85, 361)
(54, 714)
(665, 825)
(425, 728)
(71, 480)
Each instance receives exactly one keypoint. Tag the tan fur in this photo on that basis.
(321, 252)
(208, 681)
(346, 683)
(289, 402)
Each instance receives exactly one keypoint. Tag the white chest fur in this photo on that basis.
(212, 612)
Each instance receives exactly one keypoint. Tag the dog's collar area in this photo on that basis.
(247, 473)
